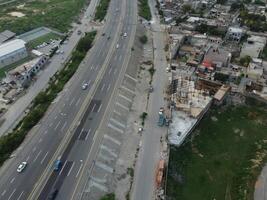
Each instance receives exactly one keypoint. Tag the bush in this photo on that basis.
(101, 10)
(110, 196)
(144, 10)
(143, 39)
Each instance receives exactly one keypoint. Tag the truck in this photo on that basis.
(161, 121)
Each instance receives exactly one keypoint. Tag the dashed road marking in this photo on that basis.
(44, 157)
(127, 89)
(130, 77)
(126, 98)
(115, 128)
(117, 122)
(36, 157)
(20, 195)
(57, 125)
(122, 106)
(62, 128)
(11, 194)
(12, 180)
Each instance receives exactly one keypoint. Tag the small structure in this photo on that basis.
(253, 47)
(234, 34)
(11, 52)
(6, 35)
(217, 57)
(221, 94)
(23, 74)
(255, 70)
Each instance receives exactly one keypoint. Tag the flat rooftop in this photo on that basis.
(9, 47)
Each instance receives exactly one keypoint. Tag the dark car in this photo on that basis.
(53, 194)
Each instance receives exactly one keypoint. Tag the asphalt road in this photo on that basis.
(149, 155)
(50, 133)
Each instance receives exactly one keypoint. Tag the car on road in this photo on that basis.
(117, 46)
(85, 86)
(53, 194)
(21, 166)
(125, 34)
(57, 165)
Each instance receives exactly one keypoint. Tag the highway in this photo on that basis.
(62, 124)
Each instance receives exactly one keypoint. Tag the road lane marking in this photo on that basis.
(62, 168)
(80, 133)
(57, 125)
(126, 98)
(88, 134)
(72, 164)
(93, 107)
(34, 148)
(109, 71)
(117, 122)
(102, 88)
(55, 117)
(27, 158)
(20, 195)
(51, 124)
(122, 106)
(99, 108)
(44, 157)
(11, 194)
(108, 87)
(72, 101)
(79, 170)
(115, 128)
(116, 112)
(12, 180)
(130, 77)
(89, 82)
(77, 103)
(127, 89)
(36, 157)
(3, 193)
(62, 128)
(104, 167)
(40, 140)
(92, 67)
(112, 139)
(45, 132)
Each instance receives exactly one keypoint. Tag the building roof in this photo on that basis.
(221, 92)
(235, 30)
(6, 35)
(9, 47)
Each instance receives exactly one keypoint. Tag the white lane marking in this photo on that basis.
(44, 157)
(77, 103)
(71, 169)
(72, 101)
(57, 125)
(40, 140)
(122, 106)
(117, 122)
(11, 194)
(112, 139)
(51, 124)
(102, 88)
(34, 148)
(12, 180)
(62, 168)
(115, 71)
(20, 195)
(63, 105)
(36, 157)
(127, 89)
(89, 82)
(62, 128)
(116, 112)
(27, 158)
(88, 134)
(55, 117)
(109, 70)
(93, 107)
(115, 128)
(130, 77)
(126, 98)
(108, 87)
(99, 108)
(80, 133)
(92, 67)
(3, 193)
(79, 170)
(45, 132)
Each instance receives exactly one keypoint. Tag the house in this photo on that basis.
(6, 35)
(253, 47)
(234, 34)
(221, 94)
(255, 70)
(12, 51)
(23, 74)
(217, 57)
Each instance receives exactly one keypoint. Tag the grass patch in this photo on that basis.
(224, 158)
(144, 10)
(101, 10)
(10, 142)
(56, 14)
(45, 38)
(110, 196)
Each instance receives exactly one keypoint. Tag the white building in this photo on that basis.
(234, 34)
(253, 47)
(11, 52)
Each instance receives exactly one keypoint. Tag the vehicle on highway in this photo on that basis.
(151, 89)
(79, 32)
(21, 166)
(117, 46)
(85, 86)
(53, 194)
(125, 34)
(57, 165)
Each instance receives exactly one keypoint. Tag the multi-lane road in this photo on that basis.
(68, 129)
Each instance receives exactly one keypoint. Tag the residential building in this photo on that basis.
(12, 51)
(234, 34)
(253, 47)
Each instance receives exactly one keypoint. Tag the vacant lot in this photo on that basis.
(223, 159)
(22, 16)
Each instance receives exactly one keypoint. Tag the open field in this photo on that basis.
(56, 14)
(220, 162)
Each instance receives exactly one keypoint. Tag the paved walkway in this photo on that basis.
(16, 111)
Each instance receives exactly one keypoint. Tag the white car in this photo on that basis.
(125, 34)
(117, 46)
(21, 167)
(84, 86)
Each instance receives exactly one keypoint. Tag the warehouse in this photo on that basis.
(11, 52)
